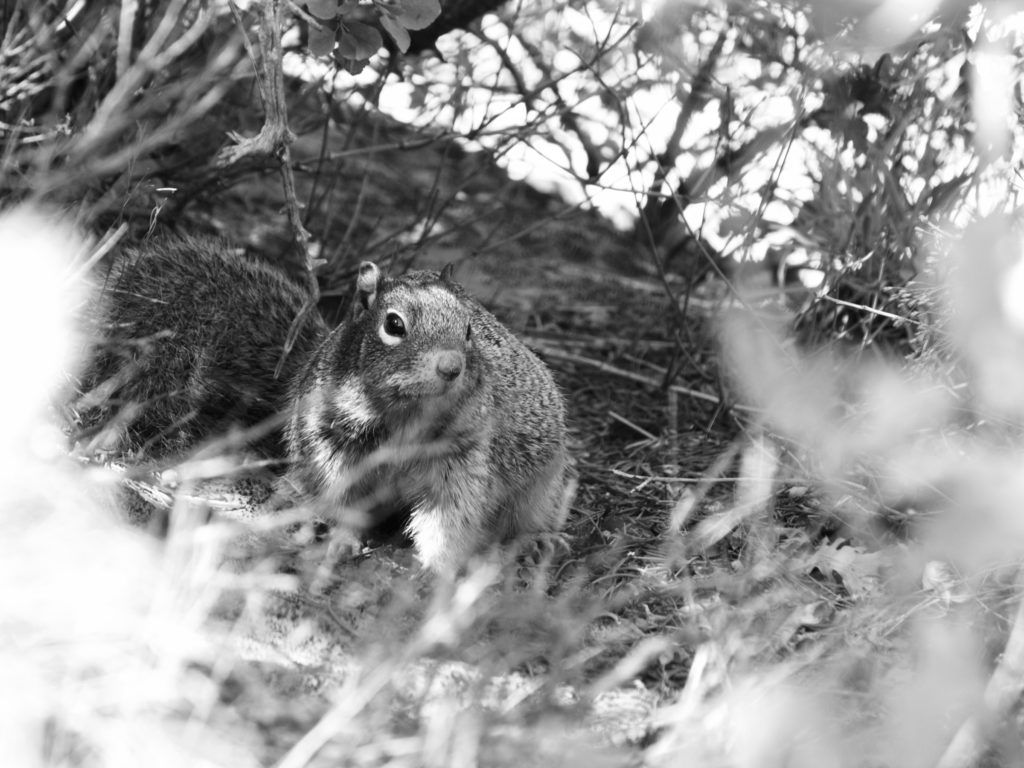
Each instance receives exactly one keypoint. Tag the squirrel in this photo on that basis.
(421, 399)
(419, 402)
(187, 333)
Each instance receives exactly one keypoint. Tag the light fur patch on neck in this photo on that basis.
(354, 404)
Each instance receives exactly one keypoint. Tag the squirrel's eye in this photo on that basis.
(394, 325)
(469, 331)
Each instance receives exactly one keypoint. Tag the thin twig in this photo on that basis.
(714, 474)
(871, 310)
(102, 249)
(604, 367)
(687, 480)
(635, 427)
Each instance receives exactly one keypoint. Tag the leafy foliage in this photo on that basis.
(357, 41)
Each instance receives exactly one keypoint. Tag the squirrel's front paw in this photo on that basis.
(541, 548)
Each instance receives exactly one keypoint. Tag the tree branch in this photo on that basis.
(274, 141)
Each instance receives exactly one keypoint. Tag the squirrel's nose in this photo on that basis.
(450, 365)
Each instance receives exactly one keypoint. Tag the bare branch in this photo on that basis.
(274, 141)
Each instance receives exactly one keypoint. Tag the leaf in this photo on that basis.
(359, 41)
(321, 41)
(397, 32)
(323, 9)
(858, 568)
(352, 66)
(857, 134)
(417, 14)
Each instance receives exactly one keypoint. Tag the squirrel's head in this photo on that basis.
(416, 334)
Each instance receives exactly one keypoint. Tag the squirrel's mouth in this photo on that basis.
(421, 413)
(424, 389)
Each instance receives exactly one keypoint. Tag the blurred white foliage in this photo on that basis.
(758, 466)
(37, 305)
(785, 715)
(839, 410)
(943, 580)
(929, 701)
(855, 419)
(874, 26)
(994, 84)
(985, 301)
(752, 722)
(85, 674)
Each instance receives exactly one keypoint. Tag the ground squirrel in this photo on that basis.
(187, 334)
(422, 399)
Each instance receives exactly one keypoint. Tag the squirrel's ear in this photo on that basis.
(448, 273)
(367, 284)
